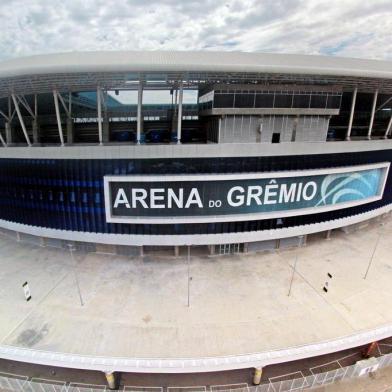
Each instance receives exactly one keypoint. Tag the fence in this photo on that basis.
(16, 383)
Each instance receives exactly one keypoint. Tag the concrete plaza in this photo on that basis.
(138, 307)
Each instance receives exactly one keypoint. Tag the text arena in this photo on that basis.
(194, 198)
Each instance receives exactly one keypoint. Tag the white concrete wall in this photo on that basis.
(244, 129)
(193, 150)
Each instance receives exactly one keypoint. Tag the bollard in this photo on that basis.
(257, 375)
(111, 380)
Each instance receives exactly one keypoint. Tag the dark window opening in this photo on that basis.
(276, 138)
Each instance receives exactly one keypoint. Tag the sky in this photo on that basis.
(349, 28)
(343, 28)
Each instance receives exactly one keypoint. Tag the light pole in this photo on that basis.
(292, 276)
(372, 257)
(189, 278)
(71, 250)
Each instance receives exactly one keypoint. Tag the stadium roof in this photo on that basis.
(32, 74)
(111, 61)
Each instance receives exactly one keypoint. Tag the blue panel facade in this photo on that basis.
(68, 194)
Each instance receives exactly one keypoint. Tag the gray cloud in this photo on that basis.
(337, 27)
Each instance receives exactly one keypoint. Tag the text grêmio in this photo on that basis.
(237, 196)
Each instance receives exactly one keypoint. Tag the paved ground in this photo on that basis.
(238, 304)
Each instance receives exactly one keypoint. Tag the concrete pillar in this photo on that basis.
(350, 124)
(17, 236)
(176, 251)
(277, 244)
(304, 240)
(36, 134)
(111, 380)
(328, 234)
(389, 127)
(211, 250)
(70, 131)
(105, 129)
(258, 372)
(179, 119)
(99, 116)
(8, 133)
(139, 126)
(141, 254)
(369, 135)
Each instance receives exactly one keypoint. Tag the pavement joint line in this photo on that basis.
(34, 307)
(323, 298)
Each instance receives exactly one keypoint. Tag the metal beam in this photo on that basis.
(22, 100)
(14, 99)
(384, 104)
(60, 128)
(4, 115)
(179, 118)
(99, 110)
(350, 124)
(389, 128)
(139, 125)
(3, 141)
(70, 103)
(63, 103)
(35, 106)
(369, 135)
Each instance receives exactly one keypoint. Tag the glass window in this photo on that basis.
(264, 100)
(301, 101)
(333, 101)
(224, 100)
(318, 101)
(244, 100)
(283, 100)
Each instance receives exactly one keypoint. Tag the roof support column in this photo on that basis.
(389, 128)
(99, 110)
(22, 124)
(179, 118)
(3, 141)
(369, 135)
(59, 126)
(350, 124)
(70, 128)
(36, 138)
(139, 125)
(8, 133)
(7, 128)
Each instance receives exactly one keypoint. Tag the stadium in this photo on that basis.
(249, 153)
(258, 119)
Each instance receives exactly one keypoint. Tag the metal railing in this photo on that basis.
(17, 383)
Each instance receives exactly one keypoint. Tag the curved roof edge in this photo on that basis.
(196, 61)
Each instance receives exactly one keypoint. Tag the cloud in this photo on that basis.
(335, 27)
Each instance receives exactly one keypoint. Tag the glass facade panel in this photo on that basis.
(318, 101)
(283, 100)
(264, 100)
(244, 100)
(301, 101)
(333, 101)
(68, 194)
(224, 100)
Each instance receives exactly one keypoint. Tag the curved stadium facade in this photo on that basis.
(276, 147)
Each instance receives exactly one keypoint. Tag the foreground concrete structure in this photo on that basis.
(134, 314)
